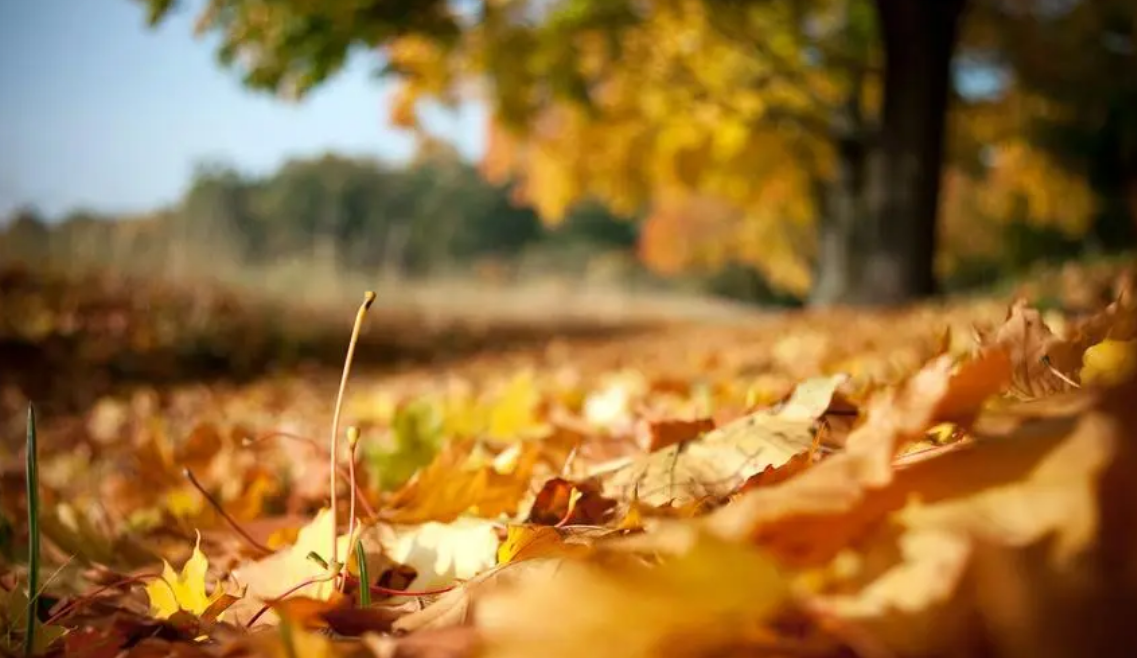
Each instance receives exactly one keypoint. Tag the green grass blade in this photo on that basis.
(33, 535)
(364, 579)
(286, 639)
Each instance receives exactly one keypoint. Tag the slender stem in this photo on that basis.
(351, 477)
(213, 502)
(33, 534)
(399, 592)
(368, 299)
(353, 440)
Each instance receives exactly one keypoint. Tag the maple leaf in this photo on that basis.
(184, 591)
(455, 484)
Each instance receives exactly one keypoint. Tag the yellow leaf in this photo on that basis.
(526, 542)
(514, 414)
(1110, 362)
(714, 596)
(451, 486)
(182, 591)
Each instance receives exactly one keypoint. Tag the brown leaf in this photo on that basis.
(1035, 352)
(659, 434)
(567, 503)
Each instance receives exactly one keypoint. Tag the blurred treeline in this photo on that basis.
(320, 224)
(323, 218)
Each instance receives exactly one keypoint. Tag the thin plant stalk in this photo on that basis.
(216, 505)
(33, 534)
(286, 639)
(368, 299)
(352, 442)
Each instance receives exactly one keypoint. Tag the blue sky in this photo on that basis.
(101, 112)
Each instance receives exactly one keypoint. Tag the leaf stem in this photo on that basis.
(87, 598)
(213, 502)
(290, 591)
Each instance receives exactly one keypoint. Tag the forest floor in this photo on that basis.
(946, 479)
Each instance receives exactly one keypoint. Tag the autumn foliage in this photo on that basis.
(950, 480)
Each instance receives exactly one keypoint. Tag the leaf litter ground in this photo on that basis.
(947, 480)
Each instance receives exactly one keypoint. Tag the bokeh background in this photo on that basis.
(607, 150)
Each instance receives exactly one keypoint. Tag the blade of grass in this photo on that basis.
(33, 535)
(286, 640)
(364, 579)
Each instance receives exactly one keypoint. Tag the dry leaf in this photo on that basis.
(810, 513)
(719, 462)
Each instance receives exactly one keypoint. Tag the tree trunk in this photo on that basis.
(878, 236)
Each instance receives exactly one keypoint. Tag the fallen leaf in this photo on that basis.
(287, 570)
(526, 542)
(660, 434)
(452, 486)
(716, 595)
(716, 464)
(183, 591)
(440, 553)
(569, 503)
(808, 518)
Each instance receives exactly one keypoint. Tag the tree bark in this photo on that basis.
(877, 240)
